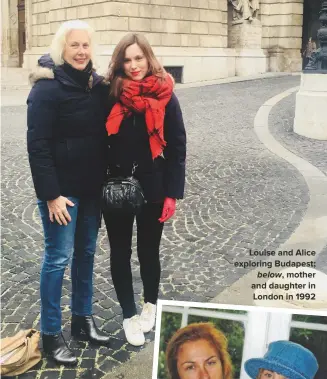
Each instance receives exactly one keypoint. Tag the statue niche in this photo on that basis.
(244, 10)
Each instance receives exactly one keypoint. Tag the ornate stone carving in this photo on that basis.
(244, 9)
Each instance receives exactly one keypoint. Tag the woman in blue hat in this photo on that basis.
(283, 360)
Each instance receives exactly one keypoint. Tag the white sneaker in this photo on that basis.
(148, 317)
(133, 331)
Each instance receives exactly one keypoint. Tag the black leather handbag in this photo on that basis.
(122, 194)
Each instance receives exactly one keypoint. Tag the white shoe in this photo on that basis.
(133, 331)
(148, 317)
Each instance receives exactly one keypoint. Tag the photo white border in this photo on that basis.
(217, 306)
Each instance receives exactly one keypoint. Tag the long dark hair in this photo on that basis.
(116, 75)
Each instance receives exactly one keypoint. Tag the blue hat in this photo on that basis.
(285, 358)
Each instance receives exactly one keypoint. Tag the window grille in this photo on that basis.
(176, 72)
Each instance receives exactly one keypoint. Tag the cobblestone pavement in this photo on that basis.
(314, 151)
(238, 196)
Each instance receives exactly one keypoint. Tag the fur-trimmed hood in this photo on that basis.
(44, 70)
(40, 73)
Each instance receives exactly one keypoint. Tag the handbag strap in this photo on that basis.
(134, 167)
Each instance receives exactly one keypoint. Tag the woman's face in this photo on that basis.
(136, 65)
(77, 50)
(198, 360)
(267, 374)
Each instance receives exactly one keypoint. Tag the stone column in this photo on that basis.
(245, 36)
(282, 34)
(9, 20)
(311, 104)
(28, 33)
(4, 33)
(14, 41)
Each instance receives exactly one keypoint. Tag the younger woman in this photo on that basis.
(146, 131)
(198, 351)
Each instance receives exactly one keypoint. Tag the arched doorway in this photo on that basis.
(21, 30)
(311, 23)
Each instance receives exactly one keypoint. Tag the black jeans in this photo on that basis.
(149, 232)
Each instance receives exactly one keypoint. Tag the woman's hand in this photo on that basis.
(57, 210)
(168, 210)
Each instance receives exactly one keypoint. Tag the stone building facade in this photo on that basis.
(198, 39)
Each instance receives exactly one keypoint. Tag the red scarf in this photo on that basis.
(149, 96)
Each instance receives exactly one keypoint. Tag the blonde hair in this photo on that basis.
(116, 73)
(261, 371)
(59, 40)
(195, 332)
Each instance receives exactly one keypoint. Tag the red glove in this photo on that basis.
(168, 210)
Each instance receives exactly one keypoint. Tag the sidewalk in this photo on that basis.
(13, 78)
(16, 79)
(15, 86)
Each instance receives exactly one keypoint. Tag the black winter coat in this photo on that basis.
(66, 137)
(163, 176)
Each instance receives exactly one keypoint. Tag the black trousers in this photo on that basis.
(149, 232)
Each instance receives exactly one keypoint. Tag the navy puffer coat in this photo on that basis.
(66, 135)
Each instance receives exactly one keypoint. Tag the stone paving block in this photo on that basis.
(106, 314)
(49, 375)
(116, 344)
(50, 364)
(111, 327)
(89, 354)
(69, 374)
(87, 363)
(107, 303)
(104, 350)
(92, 374)
(108, 365)
(122, 356)
(119, 334)
(26, 375)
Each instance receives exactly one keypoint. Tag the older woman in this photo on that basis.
(67, 155)
(283, 360)
(198, 351)
(147, 138)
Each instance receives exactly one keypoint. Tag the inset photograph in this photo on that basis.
(210, 341)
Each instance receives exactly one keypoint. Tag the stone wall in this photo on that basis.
(179, 23)
(41, 26)
(282, 33)
(188, 33)
(192, 34)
